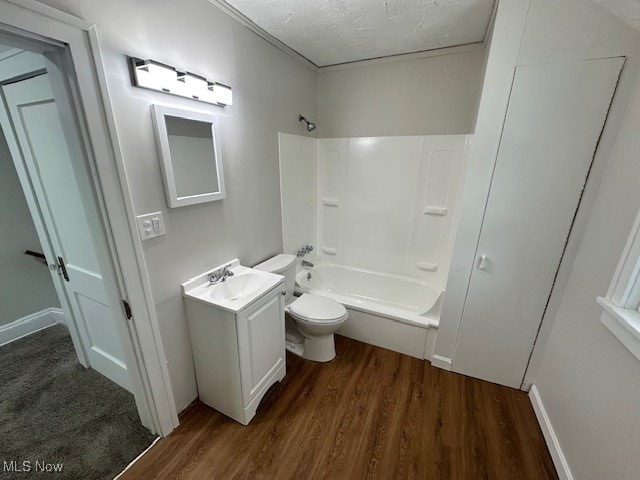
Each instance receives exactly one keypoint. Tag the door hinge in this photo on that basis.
(127, 309)
(62, 269)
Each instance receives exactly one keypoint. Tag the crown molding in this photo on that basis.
(436, 52)
(261, 32)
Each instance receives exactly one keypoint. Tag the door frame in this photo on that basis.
(79, 48)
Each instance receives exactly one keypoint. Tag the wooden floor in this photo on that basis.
(370, 413)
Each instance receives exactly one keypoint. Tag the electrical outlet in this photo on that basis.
(150, 225)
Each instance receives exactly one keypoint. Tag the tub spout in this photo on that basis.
(307, 264)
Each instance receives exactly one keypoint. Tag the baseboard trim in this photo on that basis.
(557, 455)
(30, 324)
(441, 362)
(58, 315)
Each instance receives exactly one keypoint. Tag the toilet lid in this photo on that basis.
(318, 308)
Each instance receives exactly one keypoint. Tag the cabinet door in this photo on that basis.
(261, 343)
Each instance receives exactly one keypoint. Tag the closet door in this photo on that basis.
(555, 117)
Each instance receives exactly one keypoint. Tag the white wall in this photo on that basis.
(270, 90)
(26, 286)
(589, 383)
(298, 191)
(424, 96)
(606, 36)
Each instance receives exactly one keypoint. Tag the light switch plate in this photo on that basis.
(150, 225)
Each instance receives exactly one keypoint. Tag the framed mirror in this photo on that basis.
(189, 150)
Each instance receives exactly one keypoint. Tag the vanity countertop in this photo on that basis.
(236, 292)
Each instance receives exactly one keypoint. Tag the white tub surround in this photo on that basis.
(384, 215)
(297, 190)
(389, 204)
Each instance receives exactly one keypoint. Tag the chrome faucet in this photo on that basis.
(307, 264)
(220, 275)
(304, 250)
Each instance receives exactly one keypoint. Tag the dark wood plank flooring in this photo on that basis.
(369, 414)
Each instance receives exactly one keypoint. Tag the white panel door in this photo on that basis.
(555, 117)
(39, 132)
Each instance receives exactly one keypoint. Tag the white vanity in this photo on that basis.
(237, 336)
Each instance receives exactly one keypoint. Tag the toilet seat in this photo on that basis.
(317, 309)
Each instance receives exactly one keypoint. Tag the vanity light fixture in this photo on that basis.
(164, 78)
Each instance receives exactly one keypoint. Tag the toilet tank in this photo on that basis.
(285, 265)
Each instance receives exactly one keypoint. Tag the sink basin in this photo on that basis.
(235, 293)
(237, 287)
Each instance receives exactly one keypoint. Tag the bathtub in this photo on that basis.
(390, 311)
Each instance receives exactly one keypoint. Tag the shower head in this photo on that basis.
(310, 125)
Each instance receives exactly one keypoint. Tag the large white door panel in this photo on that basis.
(40, 124)
(39, 132)
(555, 116)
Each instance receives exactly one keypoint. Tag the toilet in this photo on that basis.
(315, 318)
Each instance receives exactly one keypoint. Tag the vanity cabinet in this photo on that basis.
(261, 345)
(239, 355)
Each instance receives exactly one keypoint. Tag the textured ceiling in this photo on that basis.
(329, 32)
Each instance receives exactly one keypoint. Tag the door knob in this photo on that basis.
(483, 260)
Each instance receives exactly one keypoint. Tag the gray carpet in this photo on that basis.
(54, 410)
